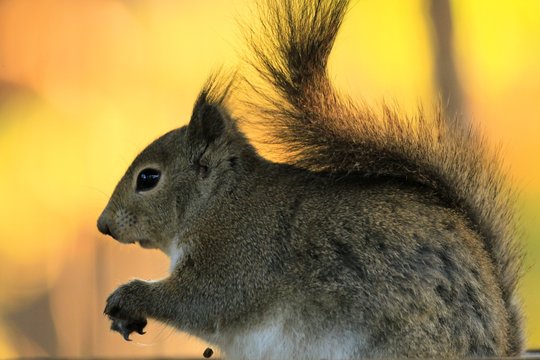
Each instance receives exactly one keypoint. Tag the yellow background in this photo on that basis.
(86, 84)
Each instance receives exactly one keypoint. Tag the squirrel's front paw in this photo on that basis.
(125, 311)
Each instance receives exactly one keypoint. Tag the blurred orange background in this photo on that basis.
(86, 84)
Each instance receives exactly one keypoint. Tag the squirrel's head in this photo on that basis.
(175, 177)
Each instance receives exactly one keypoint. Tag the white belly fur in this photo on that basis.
(273, 340)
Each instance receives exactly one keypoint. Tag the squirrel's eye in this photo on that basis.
(147, 179)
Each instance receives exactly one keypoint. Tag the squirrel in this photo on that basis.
(379, 236)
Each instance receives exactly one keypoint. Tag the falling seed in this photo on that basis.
(208, 352)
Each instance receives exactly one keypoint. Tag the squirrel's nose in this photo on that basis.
(104, 229)
(103, 226)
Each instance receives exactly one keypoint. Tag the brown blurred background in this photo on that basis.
(86, 84)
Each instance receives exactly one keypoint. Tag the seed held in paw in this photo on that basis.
(208, 353)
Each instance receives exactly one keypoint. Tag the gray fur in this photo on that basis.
(397, 235)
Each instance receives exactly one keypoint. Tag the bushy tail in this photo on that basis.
(325, 131)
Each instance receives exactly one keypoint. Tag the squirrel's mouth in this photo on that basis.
(146, 244)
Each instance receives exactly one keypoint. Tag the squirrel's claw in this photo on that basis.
(126, 327)
(138, 326)
(118, 326)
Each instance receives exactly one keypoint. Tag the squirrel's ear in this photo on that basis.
(208, 123)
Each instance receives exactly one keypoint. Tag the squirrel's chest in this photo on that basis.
(176, 253)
